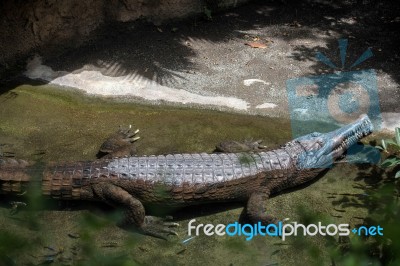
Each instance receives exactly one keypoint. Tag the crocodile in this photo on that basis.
(186, 179)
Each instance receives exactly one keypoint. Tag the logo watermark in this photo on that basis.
(323, 103)
(282, 230)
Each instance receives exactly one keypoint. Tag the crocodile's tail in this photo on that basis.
(14, 176)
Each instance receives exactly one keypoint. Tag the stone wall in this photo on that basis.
(30, 26)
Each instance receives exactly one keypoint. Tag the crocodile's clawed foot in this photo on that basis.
(159, 227)
(129, 133)
(236, 146)
(256, 145)
(120, 144)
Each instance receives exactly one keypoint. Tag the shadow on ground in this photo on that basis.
(160, 53)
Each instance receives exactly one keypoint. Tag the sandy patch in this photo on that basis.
(94, 82)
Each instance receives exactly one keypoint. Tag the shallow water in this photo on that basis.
(41, 123)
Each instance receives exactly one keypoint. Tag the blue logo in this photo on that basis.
(323, 103)
(368, 231)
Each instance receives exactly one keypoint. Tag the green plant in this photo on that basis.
(381, 200)
(393, 159)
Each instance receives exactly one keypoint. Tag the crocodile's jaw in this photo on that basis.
(350, 135)
(321, 150)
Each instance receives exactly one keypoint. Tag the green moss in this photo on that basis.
(69, 126)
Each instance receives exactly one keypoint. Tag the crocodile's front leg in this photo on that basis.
(119, 144)
(133, 210)
(256, 210)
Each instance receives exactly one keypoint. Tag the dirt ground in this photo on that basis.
(205, 62)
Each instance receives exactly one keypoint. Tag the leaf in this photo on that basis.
(397, 135)
(397, 174)
(391, 142)
(256, 45)
(390, 162)
(384, 145)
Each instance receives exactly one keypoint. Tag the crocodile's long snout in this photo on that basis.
(346, 136)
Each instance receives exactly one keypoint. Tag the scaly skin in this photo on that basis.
(187, 179)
